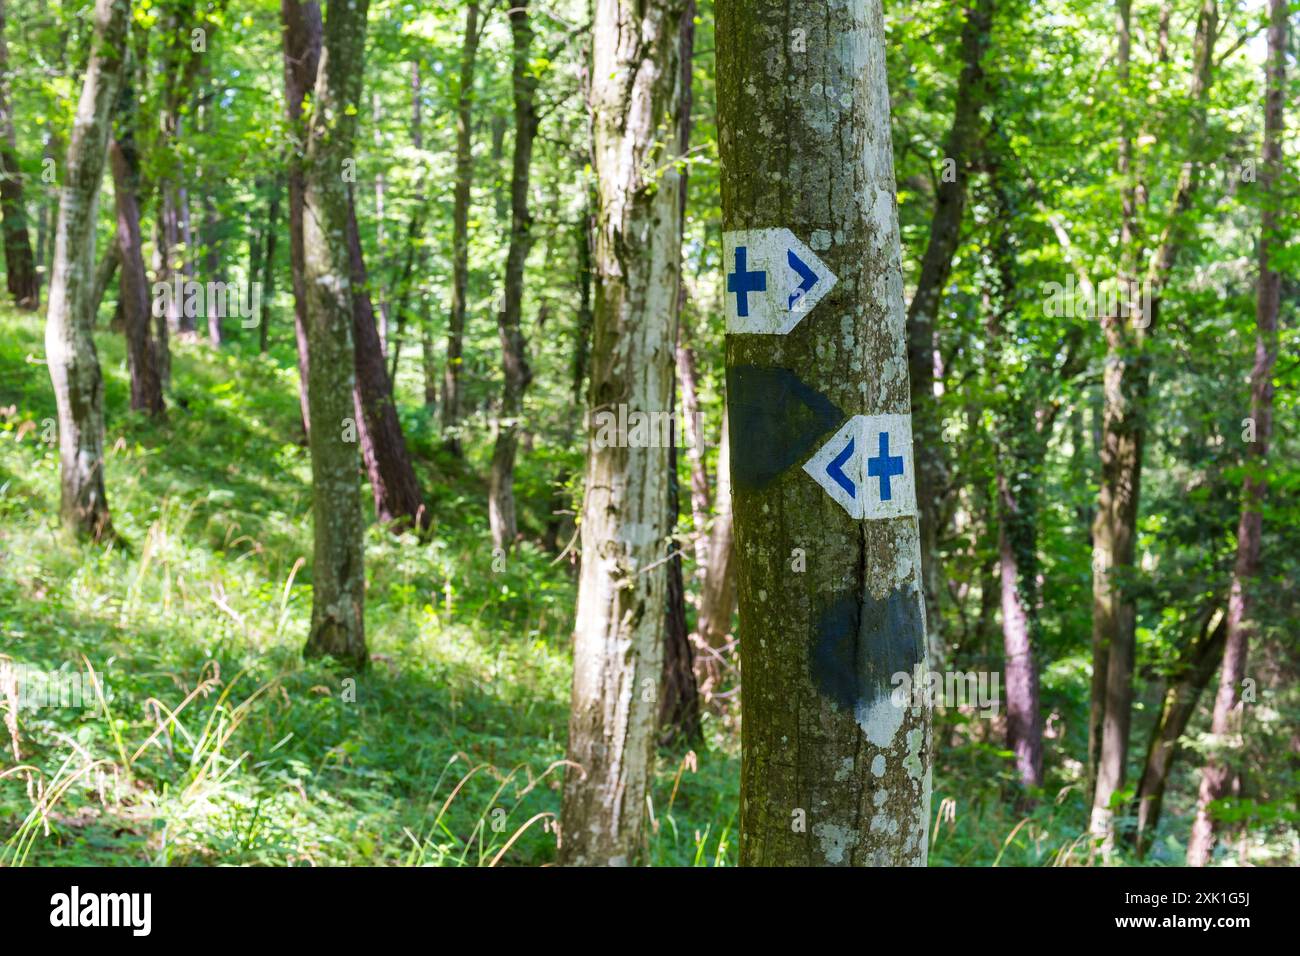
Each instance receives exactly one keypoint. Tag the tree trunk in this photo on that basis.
(268, 267)
(718, 593)
(302, 46)
(514, 358)
(414, 235)
(69, 339)
(104, 273)
(396, 489)
(338, 573)
(686, 376)
(679, 703)
(1016, 538)
(451, 383)
(1191, 674)
(1227, 722)
(20, 267)
(834, 772)
(146, 385)
(618, 637)
(679, 709)
(381, 226)
(1126, 385)
(936, 265)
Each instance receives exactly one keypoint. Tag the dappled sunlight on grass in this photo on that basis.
(215, 741)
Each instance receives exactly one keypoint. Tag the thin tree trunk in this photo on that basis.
(268, 267)
(936, 265)
(1191, 675)
(414, 235)
(1105, 623)
(338, 572)
(834, 771)
(1126, 385)
(69, 339)
(1226, 724)
(430, 364)
(104, 273)
(514, 357)
(146, 385)
(451, 382)
(1024, 717)
(618, 636)
(718, 593)
(686, 376)
(302, 45)
(381, 229)
(396, 490)
(679, 704)
(20, 267)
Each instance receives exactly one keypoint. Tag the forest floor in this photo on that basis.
(216, 743)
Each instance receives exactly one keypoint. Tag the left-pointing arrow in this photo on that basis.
(838, 470)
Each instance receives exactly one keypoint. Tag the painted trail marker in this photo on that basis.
(867, 466)
(773, 280)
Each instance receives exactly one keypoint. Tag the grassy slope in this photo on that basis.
(271, 760)
(201, 615)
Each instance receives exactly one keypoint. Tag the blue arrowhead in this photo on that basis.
(808, 277)
(835, 468)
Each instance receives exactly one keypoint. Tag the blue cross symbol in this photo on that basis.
(742, 283)
(884, 467)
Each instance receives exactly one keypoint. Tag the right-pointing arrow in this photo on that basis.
(807, 277)
(772, 280)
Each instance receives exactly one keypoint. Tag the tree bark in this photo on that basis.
(618, 636)
(302, 32)
(687, 378)
(713, 654)
(514, 357)
(1226, 724)
(20, 266)
(679, 703)
(104, 273)
(1191, 675)
(1024, 717)
(833, 772)
(679, 709)
(1126, 385)
(69, 339)
(146, 385)
(396, 490)
(936, 265)
(451, 383)
(268, 267)
(338, 573)
(414, 236)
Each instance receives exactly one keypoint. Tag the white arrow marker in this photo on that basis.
(773, 280)
(867, 467)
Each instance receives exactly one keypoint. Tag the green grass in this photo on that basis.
(216, 742)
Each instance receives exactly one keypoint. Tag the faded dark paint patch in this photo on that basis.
(776, 419)
(861, 643)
